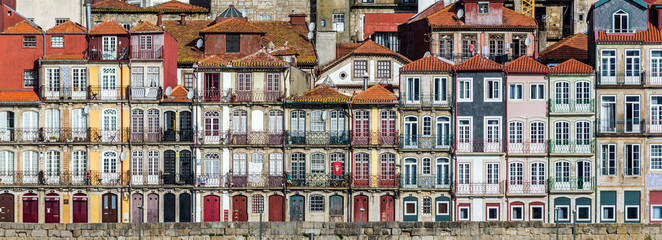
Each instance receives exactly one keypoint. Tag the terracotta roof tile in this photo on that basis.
(178, 94)
(427, 64)
(213, 61)
(651, 35)
(282, 51)
(65, 56)
(108, 27)
(232, 25)
(18, 96)
(320, 94)
(107, 5)
(68, 27)
(478, 63)
(370, 48)
(187, 37)
(177, 6)
(343, 49)
(383, 22)
(447, 18)
(23, 27)
(146, 27)
(260, 58)
(572, 66)
(574, 46)
(375, 94)
(526, 64)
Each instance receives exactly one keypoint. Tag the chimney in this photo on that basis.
(365, 83)
(182, 20)
(297, 19)
(325, 46)
(159, 19)
(88, 15)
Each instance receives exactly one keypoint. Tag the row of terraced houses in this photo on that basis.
(233, 120)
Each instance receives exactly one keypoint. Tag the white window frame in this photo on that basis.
(487, 214)
(512, 213)
(486, 130)
(459, 213)
(447, 207)
(60, 42)
(589, 212)
(519, 91)
(441, 84)
(651, 157)
(470, 92)
(651, 212)
(423, 206)
(531, 93)
(567, 207)
(337, 25)
(620, 13)
(602, 209)
(626, 213)
(542, 210)
(470, 119)
(415, 208)
(498, 90)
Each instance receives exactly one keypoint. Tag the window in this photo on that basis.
(446, 46)
(427, 166)
(631, 213)
(59, 21)
(413, 89)
(536, 213)
(464, 131)
(582, 134)
(153, 76)
(562, 129)
(298, 166)
(336, 205)
(515, 132)
(632, 160)
(492, 173)
(656, 212)
(463, 173)
(608, 114)
(493, 133)
(53, 81)
(427, 126)
(440, 90)
(608, 157)
(29, 78)
(632, 66)
(442, 208)
(468, 45)
(79, 79)
(608, 213)
(517, 213)
(339, 22)
(492, 213)
(632, 114)
(384, 69)
(145, 42)
(538, 173)
(464, 214)
(516, 173)
(57, 42)
(410, 208)
(483, 7)
(656, 157)
(563, 213)
(388, 39)
(317, 163)
(427, 206)
(496, 44)
(656, 66)
(337, 164)
(519, 45)
(537, 132)
(239, 163)
(537, 91)
(232, 43)
(620, 22)
(608, 67)
(492, 90)
(265, 17)
(137, 77)
(360, 68)
(276, 164)
(126, 25)
(29, 42)
(188, 81)
(562, 171)
(515, 92)
(464, 90)
(583, 213)
(317, 203)
(317, 123)
(257, 203)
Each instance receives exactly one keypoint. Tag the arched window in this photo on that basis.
(30, 126)
(7, 166)
(562, 172)
(410, 173)
(276, 122)
(515, 132)
(153, 125)
(443, 131)
(387, 167)
(427, 166)
(153, 163)
(443, 172)
(337, 161)
(538, 173)
(137, 125)
(212, 164)
(7, 123)
(212, 119)
(30, 166)
(411, 132)
(516, 173)
(621, 22)
(79, 165)
(317, 121)
(537, 132)
(427, 126)
(583, 95)
(137, 163)
(256, 166)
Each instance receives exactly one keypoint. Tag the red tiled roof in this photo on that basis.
(232, 25)
(447, 18)
(65, 56)
(478, 63)
(371, 48)
(177, 6)
(383, 22)
(107, 5)
(428, 64)
(108, 27)
(178, 94)
(526, 64)
(18, 96)
(282, 51)
(213, 61)
(651, 35)
(23, 27)
(321, 94)
(146, 27)
(343, 49)
(186, 37)
(260, 58)
(68, 27)
(375, 94)
(572, 66)
(575, 46)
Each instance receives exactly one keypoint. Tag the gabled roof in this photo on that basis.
(375, 94)
(187, 37)
(427, 64)
(260, 58)
(526, 64)
(18, 96)
(213, 61)
(478, 63)
(67, 27)
(368, 48)
(232, 25)
(574, 46)
(177, 6)
(651, 35)
(320, 94)
(282, 51)
(447, 18)
(343, 49)
(178, 94)
(638, 2)
(113, 5)
(146, 27)
(64, 56)
(230, 12)
(383, 22)
(572, 66)
(108, 27)
(24, 27)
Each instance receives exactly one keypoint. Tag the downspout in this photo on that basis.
(507, 167)
(452, 192)
(549, 142)
(452, 153)
(595, 156)
(351, 159)
(287, 73)
(129, 138)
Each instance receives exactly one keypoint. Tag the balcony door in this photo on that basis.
(362, 127)
(109, 127)
(655, 124)
(169, 122)
(656, 68)
(632, 67)
(608, 114)
(337, 127)
(410, 172)
(185, 127)
(298, 127)
(387, 126)
(109, 84)
(584, 175)
(632, 114)
(78, 125)
(109, 168)
(212, 87)
(212, 127)
(411, 132)
(30, 167)
(562, 94)
(413, 90)
(52, 130)
(443, 132)
(608, 67)
(443, 172)
(7, 126)
(109, 47)
(30, 126)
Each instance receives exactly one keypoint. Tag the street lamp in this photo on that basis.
(360, 220)
(140, 208)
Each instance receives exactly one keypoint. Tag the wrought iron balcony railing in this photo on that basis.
(621, 126)
(515, 146)
(620, 79)
(527, 187)
(572, 105)
(480, 188)
(572, 145)
(492, 146)
(91, 92)
(425, 180)
(374, 137)
(155, 52)
(62, 135)
(572, 184)
(424, 100)
(118, 54)
(63, 178)
(426, 142)
(375, 181)
(320, 180)
(234, 95)
(145, 93)
(317, 138)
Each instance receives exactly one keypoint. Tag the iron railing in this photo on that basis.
(63, 135)
(572, 145)
(155, 52)
(480, 188)
(317, 138)
(572, 184)
(621, 126)
(320, 180)
(381, 180)
(426, 142)
(572, 105)
(527, 187)
(118, 54)
(145, 93)
(374, 137)
(425, 180)
(494, 145)
(621, 79)
(90, 92)
(63, 178)
(425, 100)
(234, 95)
(516, 146)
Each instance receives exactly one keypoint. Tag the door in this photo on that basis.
(109, 46)
(211, 207)
(52, 207)
(169, 167)
(153, 208)
(387, 208)
(79, 208)
(184, 207)
(632, 117)
(185, 127)
(239, 213)
(109, 84)
(137, 200)
(362, 127)
(275, 208)
(411, 132)
(169, 126)
(6, 126)
(6, 207)
(109, 128)
(185, 170)
(78, 125)
(387, 126)
(360, 202)
(297, 210)
(443, 132)
(244, 88)
(30, 208)
(212, 87)
(109, 211)
(52, 128)
(410, 170)
(584, 175)
(298, 127)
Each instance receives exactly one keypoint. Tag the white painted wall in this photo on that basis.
(44, 12)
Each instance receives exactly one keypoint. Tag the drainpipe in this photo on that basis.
(452, 192)
(351, 159)
(549, 142)
(505, 145)
(284, 182)
(595, 156)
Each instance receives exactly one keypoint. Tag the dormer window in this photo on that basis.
(232, 43)
(483, 7)
(621, 22)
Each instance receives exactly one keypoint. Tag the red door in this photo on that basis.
(211, 207)
(153, 208)
(52, 214)
(239, 213)
(6, 207)
(109, 210)
(80, 208)
(30, 208)
(275, 208)
(387, 208)
(360, 201)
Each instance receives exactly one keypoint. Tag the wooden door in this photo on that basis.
(52, 207)
(79, 208)
(184, 207)
(360, 201)
(153, 208)
(212, 87)
(137, 199)
(169, 207)
(109, 210)
(185, 127)
(30, 208)
(275, 208)
(185, 169)
(387, 208)
(169, 126)
(6, 207)
(297, 209)
(211, 207)
(169, 167)
(239, 212)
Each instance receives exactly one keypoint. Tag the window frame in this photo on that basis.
(542, 212)
(512, 212)
(567, 210)
(384, 69)
(589, 212)
(487, 213)
(34, 78)
(316, 202)
(651, 157)
(519, 90)
(651, 212)
(469, 91)
(356, 72)
(486, 86)
(625, 212)
(602, 209)
(459, 213)
(60, 43)
(426, 206)
(483, 7)
(537, 86)
(621, 14)
(404, 212)
(232, 43)
(607, 169)
(29, 41)
(436, 210)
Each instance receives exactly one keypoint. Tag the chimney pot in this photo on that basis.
(159, 19)
(182, 20)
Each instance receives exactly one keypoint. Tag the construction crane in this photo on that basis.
(529, 8)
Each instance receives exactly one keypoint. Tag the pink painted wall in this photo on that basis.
(526, 108)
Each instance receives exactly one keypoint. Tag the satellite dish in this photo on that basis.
(311, 27)
(325, 115)
(427, 54)
(122, 156)
(199, 43)
(460, 13)
(168, 91)
(189, 95)
(311, 35)
(527, 42)
(86, 110)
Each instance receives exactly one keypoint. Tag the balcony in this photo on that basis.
(375, 181)
(59, 135)
(211, 180)
(611, 126)
(155, 52)
(83, 93)
(571, 106)
(654, 79)
(119, 54)
(145, 93)
(208, 136)
(620, 79)
(533, 147)
(146, 178)
(487, 146)
(374, 138)
(572, 146)
(426, 142)
(317, 138)
(256, 138)
(572, 184)
(320, 180)
(654, 126)
(238, 96)
(107, 93)
(528, 187)
(480, 188)
(255, 180)
(62, 178)
(425, 181)
(425, 101)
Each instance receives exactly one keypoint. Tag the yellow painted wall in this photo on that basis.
(374, 123)
(125, 124)
(95, 208)
(94, 121)
(66, 208)
(93, 161)
(94, 79)
(126, 77)
(125, 207)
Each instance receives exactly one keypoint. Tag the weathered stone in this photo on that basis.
(39, 233)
